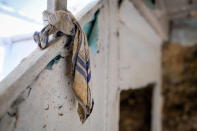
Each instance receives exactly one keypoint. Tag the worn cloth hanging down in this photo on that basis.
(64, 21)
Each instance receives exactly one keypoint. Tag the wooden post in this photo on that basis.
(54, 5)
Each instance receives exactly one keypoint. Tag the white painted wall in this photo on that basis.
(140, 57)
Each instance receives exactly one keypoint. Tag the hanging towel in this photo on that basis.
(64, 21)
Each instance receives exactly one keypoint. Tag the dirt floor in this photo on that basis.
(135, 109)
(179, 88)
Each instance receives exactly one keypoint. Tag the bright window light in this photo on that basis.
(19, 20)
(77, 5)
(1, 61)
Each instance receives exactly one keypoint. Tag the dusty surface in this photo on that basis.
(179, 88)
(135, 110)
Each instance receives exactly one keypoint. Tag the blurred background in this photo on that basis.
(19, 19)
(179, 71)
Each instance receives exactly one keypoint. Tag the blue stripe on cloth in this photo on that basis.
(36, 34)
(43, 29)
(87, 65)
(47, 38)
(81, 71)
(89, 77)
(81, 62)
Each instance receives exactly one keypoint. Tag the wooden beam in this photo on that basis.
(159, 26)
(54, 5)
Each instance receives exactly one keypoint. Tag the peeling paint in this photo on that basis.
(59, 107)
(44, 126)
(47, 108)
(92, 32)
(9, 119)
(53, 61)
(60, 114)
(29, 90)
(8, 123)
(119, 3)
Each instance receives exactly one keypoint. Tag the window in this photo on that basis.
(77, 5)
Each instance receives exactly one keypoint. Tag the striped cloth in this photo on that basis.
(65, 22)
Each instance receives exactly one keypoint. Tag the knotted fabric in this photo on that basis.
(64, 21)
